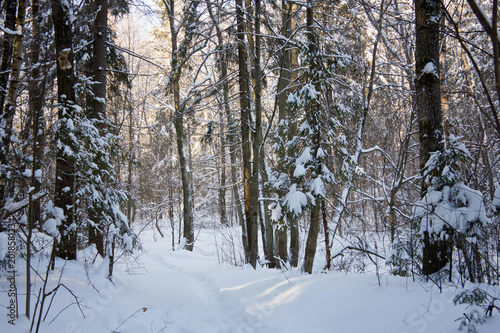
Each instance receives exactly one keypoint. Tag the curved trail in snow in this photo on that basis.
(213, 310)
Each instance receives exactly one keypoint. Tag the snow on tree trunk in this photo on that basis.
(430, 117)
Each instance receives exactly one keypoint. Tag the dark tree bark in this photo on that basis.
(9, 111)
(97, 109)
(65, 163)
(252, 223)
(222, 179)
(17, 58)
(36, 90)
(292, 62)
(312, 237)
(8, 49)
(5, 115)
(313, 119)
(328, 254)
(244, 98)
(285, 132)
(179, 54)
(99, 63)
(427, 84)
(436, 253)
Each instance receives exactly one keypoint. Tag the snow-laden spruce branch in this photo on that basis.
(14, 207)
(7, 31)
(435, 206)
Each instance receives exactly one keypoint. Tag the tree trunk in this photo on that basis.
(281, 243)
(5, 65)
(65, 163)
(244, 98)
(17, 59)
(312, 237)
(430, 117)
(8, 49)
(313, 119)
(292, 61)
(252, 223)
(9, 111)
(222, 180)
(284, 129)
(100, 62)
(188, 232)
(36, 89)
(443, 63)
(328, 255)
(97, 111)
(35, 111)
(178, 56)
(427, 85)
(130, 162)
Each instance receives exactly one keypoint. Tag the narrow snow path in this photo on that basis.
(210, 310)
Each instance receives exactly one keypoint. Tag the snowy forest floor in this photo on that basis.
(161, 290)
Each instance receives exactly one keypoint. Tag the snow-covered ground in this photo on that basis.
(161, 290)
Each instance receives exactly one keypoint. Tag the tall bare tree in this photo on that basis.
(180, 52)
